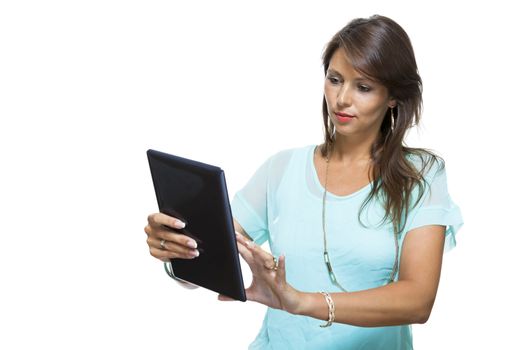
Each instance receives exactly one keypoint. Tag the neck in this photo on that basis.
(351, 149)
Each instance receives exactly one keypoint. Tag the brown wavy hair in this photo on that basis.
(381, 50)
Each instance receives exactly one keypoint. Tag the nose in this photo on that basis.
(344, 98)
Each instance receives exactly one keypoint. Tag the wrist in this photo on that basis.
(303, 304)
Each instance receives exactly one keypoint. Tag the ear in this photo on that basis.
(392, 103)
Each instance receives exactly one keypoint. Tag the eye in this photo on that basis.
(363, 88)
(333, 80)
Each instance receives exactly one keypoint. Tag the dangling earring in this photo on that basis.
(331, 126)
(392, 122)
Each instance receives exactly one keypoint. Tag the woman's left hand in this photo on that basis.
(269, 286)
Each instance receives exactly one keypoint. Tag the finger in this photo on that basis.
(177, 243)
(281, 270)
(166, 255)
(179, 250)
(254, 255)
(177, 238)
(242, 239)
(224, 298)
(160, 254)
(159, 219)
(245, 253)
(262, 256)
(243, 245)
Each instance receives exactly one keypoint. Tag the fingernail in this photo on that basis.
(192, 244)
(180, 224)
(195, 253)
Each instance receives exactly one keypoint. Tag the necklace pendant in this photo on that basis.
(329, 267)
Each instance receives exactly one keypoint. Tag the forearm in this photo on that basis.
(402, 302)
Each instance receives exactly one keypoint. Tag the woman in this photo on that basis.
(362, 219)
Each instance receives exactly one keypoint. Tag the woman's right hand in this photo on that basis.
(175, 245)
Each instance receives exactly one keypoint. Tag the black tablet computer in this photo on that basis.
(196, 193)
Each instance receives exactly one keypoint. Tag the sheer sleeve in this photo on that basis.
(250, 205)
(436, 207)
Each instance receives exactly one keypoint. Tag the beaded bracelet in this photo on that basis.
(331, 310)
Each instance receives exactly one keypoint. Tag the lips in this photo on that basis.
(344, 118)
(344, 115)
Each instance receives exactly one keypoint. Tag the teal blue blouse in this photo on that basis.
(282, 204)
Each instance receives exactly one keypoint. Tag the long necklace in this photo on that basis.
(325, 254)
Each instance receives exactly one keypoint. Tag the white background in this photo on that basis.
(87, 86)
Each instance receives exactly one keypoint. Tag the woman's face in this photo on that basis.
(356, 105)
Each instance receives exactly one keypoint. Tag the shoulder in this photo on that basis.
(285, 162)
(284, 157)
(426, 163)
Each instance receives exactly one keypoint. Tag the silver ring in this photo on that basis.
(163, 244)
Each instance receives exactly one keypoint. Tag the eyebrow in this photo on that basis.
(359, 77)
(332, 71)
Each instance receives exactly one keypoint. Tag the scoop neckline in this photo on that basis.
(321, 187)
